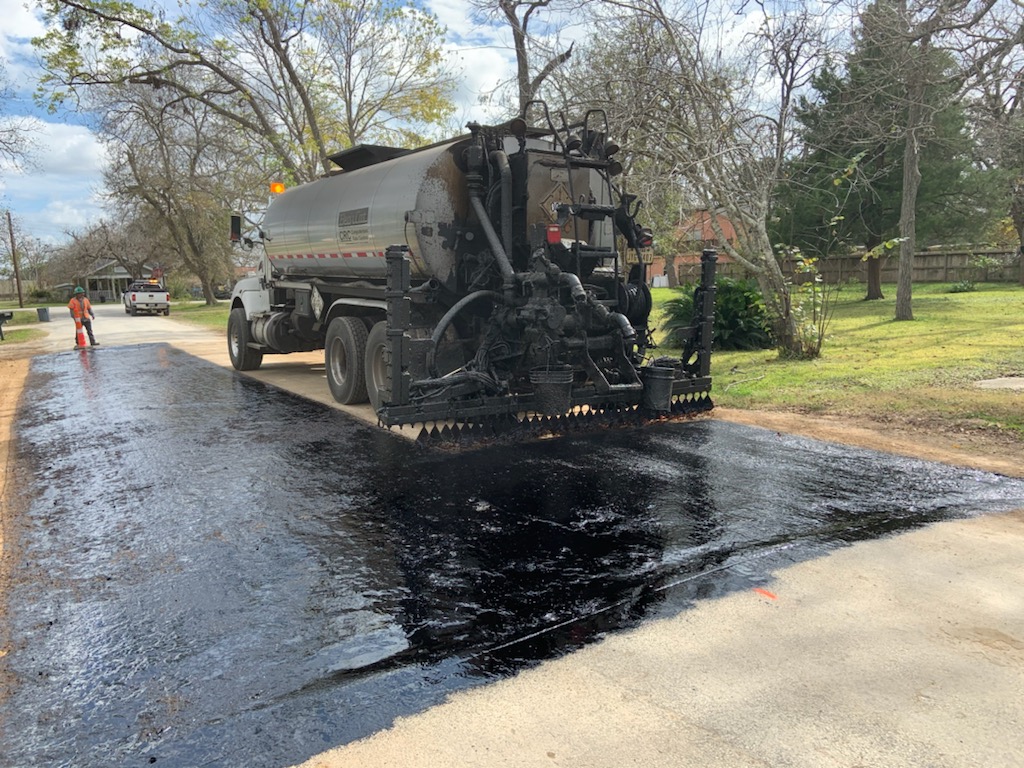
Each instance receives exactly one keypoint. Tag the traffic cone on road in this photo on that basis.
(80, 342)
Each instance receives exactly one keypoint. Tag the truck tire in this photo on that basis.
(134, 311)
(243, 357)
(345, 358)
(378, 364)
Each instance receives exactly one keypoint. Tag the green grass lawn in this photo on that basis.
(22, 335)
(215, 317)
(25, 316)
(873, 365)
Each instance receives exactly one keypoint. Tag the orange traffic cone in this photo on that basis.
(79, 335)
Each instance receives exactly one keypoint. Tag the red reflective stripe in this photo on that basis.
(343, 255)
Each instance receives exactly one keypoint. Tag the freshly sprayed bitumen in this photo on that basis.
(210, 571)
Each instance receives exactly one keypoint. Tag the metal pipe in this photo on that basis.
(628, 331)
(500, 159)
(457, 377)
(507, 273)
(579, 294)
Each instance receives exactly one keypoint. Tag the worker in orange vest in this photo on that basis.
(81, 310)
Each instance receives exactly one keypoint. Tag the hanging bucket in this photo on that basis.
(552, 389)
(657, 382)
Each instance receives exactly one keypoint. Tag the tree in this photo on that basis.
(846, 183)
(998, 112)
(129, 242)
(172, 165)
(297, 79)
(972, 34)
(520, 15)
(709, 123)
(14, 132)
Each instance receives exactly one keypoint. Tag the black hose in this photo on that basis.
(445, 382)
(446, 320)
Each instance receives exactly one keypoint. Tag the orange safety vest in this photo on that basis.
(80, 308)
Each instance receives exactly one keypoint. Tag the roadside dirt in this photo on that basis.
(12, 381)
(977, 448)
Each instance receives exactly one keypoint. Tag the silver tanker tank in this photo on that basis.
(341, 225)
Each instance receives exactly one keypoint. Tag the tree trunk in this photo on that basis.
(670, 270)
(908, 208)
(777, 302)
(1017, 217)
(776, 293)
(874, 279)
(207, 284)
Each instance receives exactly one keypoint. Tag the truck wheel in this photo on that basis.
(243, 357)
(344, 359)
(134, 311)
(378, 365)
(167, 312)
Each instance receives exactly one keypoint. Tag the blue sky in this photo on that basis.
(61, 189)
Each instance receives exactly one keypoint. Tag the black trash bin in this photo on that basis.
(44, 314)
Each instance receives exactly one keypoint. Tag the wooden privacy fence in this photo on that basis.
(945, 266)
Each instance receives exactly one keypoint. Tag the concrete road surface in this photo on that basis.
(906, 652)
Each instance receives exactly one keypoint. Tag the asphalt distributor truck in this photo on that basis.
(475, 286)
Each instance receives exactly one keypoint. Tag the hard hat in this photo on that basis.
(79, 289)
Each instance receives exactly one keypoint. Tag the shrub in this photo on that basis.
(964, 286)
(741, 322)
(178, 288)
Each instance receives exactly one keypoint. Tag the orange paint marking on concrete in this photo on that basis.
(766, 593)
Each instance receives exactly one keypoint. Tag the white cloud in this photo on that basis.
(20, 25)
(67, 149)
(481, 56)
(60, 190)
(480, 71)
(19, 21)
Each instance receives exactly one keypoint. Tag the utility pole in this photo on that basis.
(14, 258)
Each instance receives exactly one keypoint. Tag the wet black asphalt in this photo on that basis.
(211, 571)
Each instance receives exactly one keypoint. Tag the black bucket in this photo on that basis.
(552, 389)
(657, 387)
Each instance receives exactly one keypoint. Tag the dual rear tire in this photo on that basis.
(378, 365)
(345, 359)
(356, 361)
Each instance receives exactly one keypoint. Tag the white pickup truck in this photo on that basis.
(146, 296)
